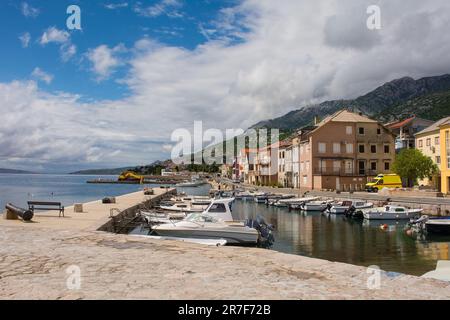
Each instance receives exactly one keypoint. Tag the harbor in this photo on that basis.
(313, 257)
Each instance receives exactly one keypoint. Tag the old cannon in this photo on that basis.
(25, 214)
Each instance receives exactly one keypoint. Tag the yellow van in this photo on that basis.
(384, 181)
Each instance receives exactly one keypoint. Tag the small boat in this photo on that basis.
(294, 202)
(438, 226)
(344, 206)
(260, 197)
(442, 271)
(216, 222)
(314, 205)
(206, 242)
(390, 213)
(182, 207)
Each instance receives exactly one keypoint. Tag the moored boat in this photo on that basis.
(390, 213)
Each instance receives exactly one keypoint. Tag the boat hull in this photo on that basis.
(232, 237)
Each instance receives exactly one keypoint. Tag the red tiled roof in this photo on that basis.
(399, 124)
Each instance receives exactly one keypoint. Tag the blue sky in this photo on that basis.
(115, 93)
(103, 22)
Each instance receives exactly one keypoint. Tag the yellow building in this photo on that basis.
(428, 141)
(445, 156)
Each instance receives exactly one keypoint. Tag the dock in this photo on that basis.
(38, 259)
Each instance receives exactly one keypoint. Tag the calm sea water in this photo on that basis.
(308, 234)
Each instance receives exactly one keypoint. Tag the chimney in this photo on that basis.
(316, 120)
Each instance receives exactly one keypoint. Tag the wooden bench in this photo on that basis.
(46, 206)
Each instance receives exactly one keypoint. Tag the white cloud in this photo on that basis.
(114, 6)
(264, 60)
(41, 75)
(29, 11)
(66, 48)
(67, 51)
(169, 8)
(55, 35)
(104, 60)
(25, 39)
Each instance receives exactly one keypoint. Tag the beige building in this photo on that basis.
(343, 151)
(284, 163)
(428, 142)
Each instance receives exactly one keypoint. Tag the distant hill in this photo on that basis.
(13, 171)
(114, 171)
(117, 171)
(427, 97)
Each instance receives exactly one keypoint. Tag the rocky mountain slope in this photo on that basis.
(427, 97)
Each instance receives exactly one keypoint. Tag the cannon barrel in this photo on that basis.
(25, 214)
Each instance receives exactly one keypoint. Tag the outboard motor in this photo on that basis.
(266, 238)
(329, 206)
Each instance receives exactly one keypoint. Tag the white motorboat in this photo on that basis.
(182, 207)
(216, 222)
(160, 217)
(314, 205)
(294, 202)
(344, 206)
(390, 213)
(442, 271)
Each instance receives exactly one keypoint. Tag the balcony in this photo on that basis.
(340, 172)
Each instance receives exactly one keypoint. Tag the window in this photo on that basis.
(217, 207)
(420, 143)
(378, 131)
(373, 148)
(361, 148)
(323, 166)
(349, 130)
(349, 147)
(305, 179)
(362, 167)
(373, 166)
(322, 147)
(336, 148)
(428, 142)
(348, 166)
(387, 149)
(361, 131)
(436, 141)
(438, 159)
(336, 166)
(387, 166)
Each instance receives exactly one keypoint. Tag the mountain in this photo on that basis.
(117, 171)
(13, 171)
(114, 171)
(427, 97)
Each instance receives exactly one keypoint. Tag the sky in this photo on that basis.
(112, 93)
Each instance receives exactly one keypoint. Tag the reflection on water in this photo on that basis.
(335, 238)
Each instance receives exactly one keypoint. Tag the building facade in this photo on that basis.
(343, 151)
(444, 137)
(428, 141)
(284, 163)
(405, 131)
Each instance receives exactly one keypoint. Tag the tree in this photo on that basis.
(412, 164)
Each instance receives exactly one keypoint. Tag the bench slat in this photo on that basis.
(44, 203)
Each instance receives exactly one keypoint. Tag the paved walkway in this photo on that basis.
(39, 263)
(94, 214)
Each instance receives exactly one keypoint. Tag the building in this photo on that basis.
(444, 137)
(405, 131)
(283, 169)
(428, 142)
(266, 170)
(343, 151)
(289, 168)
(296, 163)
